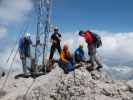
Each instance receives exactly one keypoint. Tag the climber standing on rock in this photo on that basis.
(93, 42)
(55, 39)
(24, 50)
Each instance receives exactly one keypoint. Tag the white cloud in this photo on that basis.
(117, 47)
(14, 10)
(3, 31)
(119, 72)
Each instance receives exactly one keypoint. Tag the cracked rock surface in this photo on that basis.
(77, 85)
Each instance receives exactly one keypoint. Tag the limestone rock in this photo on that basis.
(77, 85)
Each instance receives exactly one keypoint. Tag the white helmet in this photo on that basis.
(27, 35)
(56, 29)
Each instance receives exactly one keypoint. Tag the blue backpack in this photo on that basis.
(97, 40)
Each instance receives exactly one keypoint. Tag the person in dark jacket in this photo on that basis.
(24, 50)
(55, 39)
(91, 44)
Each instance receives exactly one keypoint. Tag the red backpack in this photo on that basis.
(88, 37)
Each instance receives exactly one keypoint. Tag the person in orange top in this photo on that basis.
(66, 60)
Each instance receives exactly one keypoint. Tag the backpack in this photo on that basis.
(88, 37)
(97, 40)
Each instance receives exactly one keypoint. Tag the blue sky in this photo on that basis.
(111, 15)
(73, 15)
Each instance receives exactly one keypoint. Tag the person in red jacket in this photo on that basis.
(91, 49)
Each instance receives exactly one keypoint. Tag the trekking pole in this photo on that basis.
(10, 54)
(10, 68)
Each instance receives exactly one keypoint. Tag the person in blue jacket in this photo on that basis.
(24, 50)
(79, 54)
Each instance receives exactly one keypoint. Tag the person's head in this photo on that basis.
(27, 35)
(81, 32)
(56, 30)
(81, 46)
(65, 47)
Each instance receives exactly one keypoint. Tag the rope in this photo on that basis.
(10, 68)
(28, 89)
(10, 54)
(16, 42)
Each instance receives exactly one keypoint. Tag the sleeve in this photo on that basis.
(59, 34)
(69, 54)
(83, 56)
(20, 43)
(77, 52)
(30, 41)
(80, 53)
(20, 46)
(62, 57)
(52, 36)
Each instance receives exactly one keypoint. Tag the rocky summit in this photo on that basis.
(77, 85)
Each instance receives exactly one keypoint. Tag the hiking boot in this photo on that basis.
(78, 65)
(44, 69)
(25, 74)
(3, 74)
(99, 68)
(30, 69)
